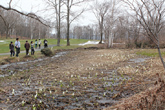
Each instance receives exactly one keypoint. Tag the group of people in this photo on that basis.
(17, 46)
(26, 45)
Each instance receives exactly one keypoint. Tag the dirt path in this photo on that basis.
(80, 79)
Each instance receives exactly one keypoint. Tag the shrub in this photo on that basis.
(46, 52)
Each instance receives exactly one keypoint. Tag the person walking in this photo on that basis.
(39, 43)
(32, 48)
(17, 46)
(11, 47)
(36, 44)
(45, 43)
(27, 46)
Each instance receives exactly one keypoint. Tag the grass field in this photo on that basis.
(4, 44)
(150, 52)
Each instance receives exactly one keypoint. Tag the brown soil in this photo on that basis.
(87, 79)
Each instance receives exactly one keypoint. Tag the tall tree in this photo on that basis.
(100, 10)
(150, 14)
(110, 21)
(69, 4)
(56, 6)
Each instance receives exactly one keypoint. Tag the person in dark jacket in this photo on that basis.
(45, 43)
(27, 46)
(11, 47)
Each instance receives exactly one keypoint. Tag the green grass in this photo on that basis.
(6, 58)
(150, 52)
(70, 47)
(36, 55)
(4, 46)
(72, 41)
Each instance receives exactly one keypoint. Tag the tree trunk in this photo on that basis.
(161, 57)
(59, 25)
(39, 34)
(68, 24)
(7, 33)
(109, 42)
(101, 30)
(110, 39)
(101, 38)
(31, 35)
(58, 38)
(136, 43)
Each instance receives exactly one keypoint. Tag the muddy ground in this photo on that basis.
(82, 79)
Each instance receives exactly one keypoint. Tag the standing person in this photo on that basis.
(45, 43)
(39, 43)
(11, 47)
(36, 44)
(17, 46)
(27, 46)
(32, 48)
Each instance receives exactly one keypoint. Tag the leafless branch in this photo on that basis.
(3, 20)
(31, 15)
(77, 16)
(10, 3)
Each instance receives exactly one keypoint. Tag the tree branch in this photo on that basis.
(31, 15)
(3, 20)
(10, 3)
(77, 16)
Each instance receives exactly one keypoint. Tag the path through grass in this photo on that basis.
(4, 44)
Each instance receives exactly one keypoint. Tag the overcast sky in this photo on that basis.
(35, 5)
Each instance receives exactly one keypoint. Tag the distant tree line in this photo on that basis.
(13, 24)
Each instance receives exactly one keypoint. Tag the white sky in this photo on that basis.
(35, 5)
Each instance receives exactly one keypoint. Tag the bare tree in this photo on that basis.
(83, 32)
(58, 18)
(69, 4)
(100, 11)
(135, 29)
(56, 6)
(150, 14)
(129, 30)
(10, 19)
(110, 21)
(78, 31)
(95, 32)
